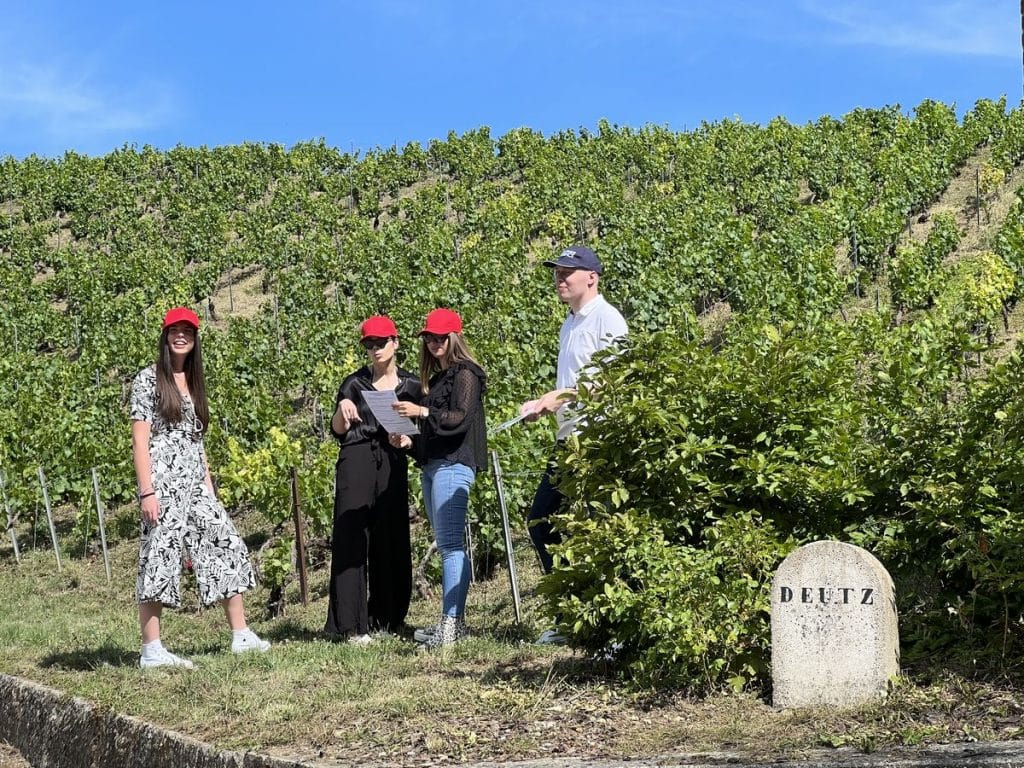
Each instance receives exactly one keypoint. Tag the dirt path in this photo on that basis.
(978, 228)
(978, 231)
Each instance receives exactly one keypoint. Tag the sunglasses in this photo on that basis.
(563, 274)
(374, 343)
(434, 338)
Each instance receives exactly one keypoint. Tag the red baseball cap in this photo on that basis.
(442, 321)
(378, 326)
(181, 315)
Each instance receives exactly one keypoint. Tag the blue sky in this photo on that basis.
(92, 77)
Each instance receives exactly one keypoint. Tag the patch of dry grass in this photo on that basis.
(239, 293)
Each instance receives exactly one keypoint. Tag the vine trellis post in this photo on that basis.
(300, 540)
(99, 518)
(49, 518)
(10, 518)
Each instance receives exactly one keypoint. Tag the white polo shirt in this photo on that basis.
(596, 326)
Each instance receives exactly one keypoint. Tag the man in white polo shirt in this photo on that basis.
(592, 324)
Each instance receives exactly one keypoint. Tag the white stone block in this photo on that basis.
(835, 638)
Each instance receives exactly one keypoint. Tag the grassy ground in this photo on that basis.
(494, 697)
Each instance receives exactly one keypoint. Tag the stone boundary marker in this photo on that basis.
(53, 730)
(835, 635)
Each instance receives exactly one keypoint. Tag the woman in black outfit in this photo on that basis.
(370, 540)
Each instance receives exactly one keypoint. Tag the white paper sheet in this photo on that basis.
(380, 405)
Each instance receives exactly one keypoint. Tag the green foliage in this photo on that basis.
(696, 472)
(960, 530)
(916, 276)
(261, 478)
(977, 290)
(688, 615)
(1009, 244)
(713, 453)
(277, 562)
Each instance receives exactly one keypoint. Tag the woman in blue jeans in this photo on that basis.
(451, 448)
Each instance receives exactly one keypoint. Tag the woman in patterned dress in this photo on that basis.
(370, 545)
(181, 516)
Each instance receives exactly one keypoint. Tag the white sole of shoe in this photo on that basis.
(424, 634)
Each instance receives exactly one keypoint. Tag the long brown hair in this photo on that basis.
(168, 397)
(457, 351)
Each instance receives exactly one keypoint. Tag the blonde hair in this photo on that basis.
(457, 351)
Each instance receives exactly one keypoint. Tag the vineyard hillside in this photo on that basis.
(822, 316)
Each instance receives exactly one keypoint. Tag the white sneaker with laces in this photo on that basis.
(161, 657)
(246, 641)
(550, 637)
(360, 640)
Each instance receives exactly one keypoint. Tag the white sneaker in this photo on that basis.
(550, 637)
(248, 641)
(360, 640)
(161, 657)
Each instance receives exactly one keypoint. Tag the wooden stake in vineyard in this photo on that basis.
(300, 540)
(10, 518)
(506, 528)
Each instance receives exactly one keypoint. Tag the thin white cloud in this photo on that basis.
(72, 107)
(957, 27)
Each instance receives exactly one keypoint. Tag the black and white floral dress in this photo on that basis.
(193, 522)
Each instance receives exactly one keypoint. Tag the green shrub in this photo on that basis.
(695, 474)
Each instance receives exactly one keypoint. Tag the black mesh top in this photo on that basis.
(455, 429)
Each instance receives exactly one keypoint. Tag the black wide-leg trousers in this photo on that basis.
(371, 556)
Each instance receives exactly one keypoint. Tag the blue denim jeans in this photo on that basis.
(446, 497)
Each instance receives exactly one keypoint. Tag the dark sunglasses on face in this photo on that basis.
(374, 343)
(433, 338)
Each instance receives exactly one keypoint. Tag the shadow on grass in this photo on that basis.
(285, 630)
(288, 630)
(578, 670)
(88, 659)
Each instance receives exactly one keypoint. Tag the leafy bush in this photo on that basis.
(261, 479)
(956, 554)
(695, 474)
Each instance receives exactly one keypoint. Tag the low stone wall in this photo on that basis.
(54, 730)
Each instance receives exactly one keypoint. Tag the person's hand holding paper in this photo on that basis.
(380, 403)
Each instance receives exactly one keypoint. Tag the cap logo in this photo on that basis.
(570, 253)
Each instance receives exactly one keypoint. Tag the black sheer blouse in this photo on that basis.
(455, 429)
(368, 429)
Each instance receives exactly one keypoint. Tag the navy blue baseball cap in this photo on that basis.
(577, 257)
